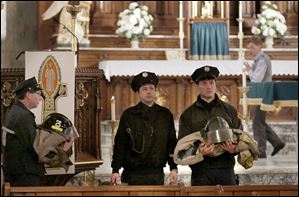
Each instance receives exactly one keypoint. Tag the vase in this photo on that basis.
(135, 44)
(269, 42)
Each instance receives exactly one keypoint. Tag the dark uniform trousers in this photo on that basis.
(143, 178)
(263, 132)
(213, 176)
(26, 179)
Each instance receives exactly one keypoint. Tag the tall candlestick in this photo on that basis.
(222, 8)
(181, 30)
(113, 108)
(240, 10)
(244, 90)
(244, 79)
(181, 9)
(241, 27)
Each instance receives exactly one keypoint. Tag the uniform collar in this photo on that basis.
(20, 104)
(203, 104)
(143, 108)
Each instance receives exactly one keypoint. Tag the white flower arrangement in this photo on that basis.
(135, 22)
(270, 23)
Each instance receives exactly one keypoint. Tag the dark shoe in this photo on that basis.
(278, 148)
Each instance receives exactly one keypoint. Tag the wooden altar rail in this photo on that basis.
(175, 190)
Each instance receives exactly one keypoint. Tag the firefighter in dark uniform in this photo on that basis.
(212, 170)
(21, 166)
(145, 138)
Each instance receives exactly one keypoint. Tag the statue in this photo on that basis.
(64, 37)
(207, 10)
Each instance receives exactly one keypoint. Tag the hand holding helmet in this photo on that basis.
(54, 140)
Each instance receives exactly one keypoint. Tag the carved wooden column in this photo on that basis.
(292, 17)
(87, 115)
(10, 78)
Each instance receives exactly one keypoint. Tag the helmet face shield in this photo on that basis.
(217, 131)
(60, 124)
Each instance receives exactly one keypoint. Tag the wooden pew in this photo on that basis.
(202, 190)
(262, 190)
(106, 190)
(242, 190)
(173, 190)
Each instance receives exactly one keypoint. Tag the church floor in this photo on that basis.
(273, 170)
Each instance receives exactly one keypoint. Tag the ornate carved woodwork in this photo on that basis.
(9, 81)
(90, 58)
(178, 93)
(88, 114)
(250, 10)
(87, 111)
(104, 16)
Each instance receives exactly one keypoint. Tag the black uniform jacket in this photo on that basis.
(145, 139)
(195, 119)
(19, 154)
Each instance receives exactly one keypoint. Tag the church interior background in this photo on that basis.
(170, 44)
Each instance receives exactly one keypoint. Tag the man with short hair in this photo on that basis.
(260, 72)
(212, 170)
(21, 166)
(145, 139)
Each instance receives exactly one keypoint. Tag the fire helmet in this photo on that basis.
(217, 130)
(60, 124)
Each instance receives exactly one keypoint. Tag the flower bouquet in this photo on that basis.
(270, 23)
(134, 23)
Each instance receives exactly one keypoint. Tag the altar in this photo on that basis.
(187, 67)
(271, 96)
(176, 89)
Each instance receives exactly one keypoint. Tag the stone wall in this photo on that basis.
(18, 31)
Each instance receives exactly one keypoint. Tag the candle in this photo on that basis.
(222, 8)
(181, 9)
(113, 109)
(240, 10)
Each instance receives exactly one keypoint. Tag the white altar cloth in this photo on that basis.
(187, 67)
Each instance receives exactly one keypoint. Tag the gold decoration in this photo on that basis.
(6, 94)
(89, 178)
(82, 94)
